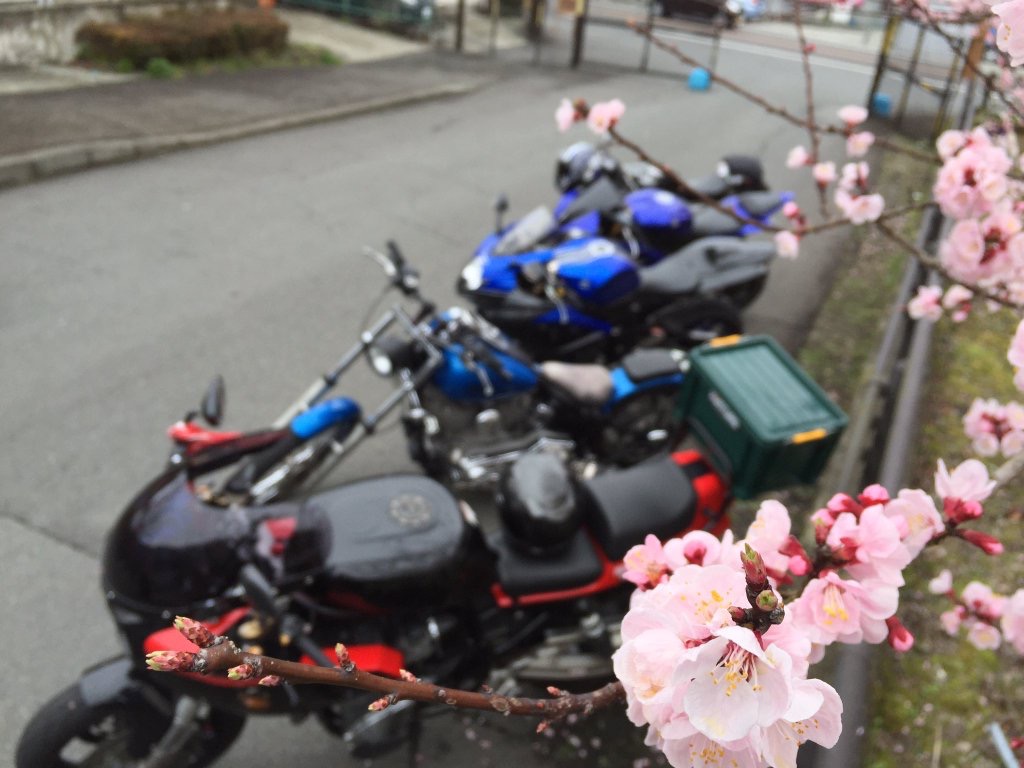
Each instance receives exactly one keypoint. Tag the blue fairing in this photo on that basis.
(596, 270)
(650, 208)
(459, 382)
(573, 317)
(585, 224)
(624, 387)
(337, 410)
(565, 201)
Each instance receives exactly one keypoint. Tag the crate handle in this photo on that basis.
(725, 341)
(809, 436)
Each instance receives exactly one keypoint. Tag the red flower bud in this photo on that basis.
(169, 661)
(899, 636)
(270, 681)
(753, 566)
(872, 495)
(242, 672)
(958, 510)
(194, 631)
(990, 545)
(379, 704)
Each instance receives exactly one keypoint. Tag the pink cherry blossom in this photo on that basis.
(854, 176)
(565, 115)
(791, 209)
(769, 535)
(645, 563)
(824, 173)
(696, 547)
(787, 245)
(958, 299)
(815, 714)
(1016, 352)
(604, 115)
(1012, 622)
(926, 304)
(983, 636)
(968, 482)
(853, 115)
(981, 600)
(859, 209)
(858, 144)
(949, 143)
(873, 544)
(1010, 35)
(941, 584)
(952, 619)
(899, 637)
(832, 609)
(797, 157)
(921, 519)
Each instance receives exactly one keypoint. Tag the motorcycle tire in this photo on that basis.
(695, 322)
(67, 732)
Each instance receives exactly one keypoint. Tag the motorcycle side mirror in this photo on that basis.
(212, 407)
(500, 209)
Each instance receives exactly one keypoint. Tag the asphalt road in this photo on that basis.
(125, 288)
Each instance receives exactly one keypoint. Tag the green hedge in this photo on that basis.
(184, 37)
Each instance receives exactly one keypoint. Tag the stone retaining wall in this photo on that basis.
(44, 32)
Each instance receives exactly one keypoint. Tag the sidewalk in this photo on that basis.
(50, 123)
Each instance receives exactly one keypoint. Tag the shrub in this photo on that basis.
(160, 68)
(184, 37)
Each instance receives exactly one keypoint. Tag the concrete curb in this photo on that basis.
(53, 161)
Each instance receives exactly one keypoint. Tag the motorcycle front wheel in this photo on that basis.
(68, 732)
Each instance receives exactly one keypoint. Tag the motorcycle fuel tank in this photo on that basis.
(596, 270)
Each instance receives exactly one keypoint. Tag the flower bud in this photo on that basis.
(767, 601)
(753, 566)
(990, 545)
(270, 681)
(379, 704)
(194, 631)
(739, 615)
(958, 510)
(342, 652)
(408, 676)
(899, 636)
(169, 661)
(242, 672)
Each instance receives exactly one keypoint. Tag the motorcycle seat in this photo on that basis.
(760, 204)
(710, 186)
(587, 383)
(646, 364)
(522, 574)
(388, 529)
(688, 268)
(708, 222)
(625, 505)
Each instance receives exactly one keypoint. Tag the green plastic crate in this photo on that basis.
(761, 418)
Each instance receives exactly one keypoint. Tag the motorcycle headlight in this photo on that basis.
(380, 361)
(473, 275)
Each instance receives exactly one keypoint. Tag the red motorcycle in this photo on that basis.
(395, 567)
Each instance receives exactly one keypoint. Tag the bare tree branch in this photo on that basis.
(222, 655)
(805, 57)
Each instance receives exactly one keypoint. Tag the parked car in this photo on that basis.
(727, 13)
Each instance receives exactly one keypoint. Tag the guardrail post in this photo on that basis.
(577, 33)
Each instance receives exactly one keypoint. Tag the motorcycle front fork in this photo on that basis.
(188, 713)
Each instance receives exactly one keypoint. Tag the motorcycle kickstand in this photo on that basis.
(165, 753)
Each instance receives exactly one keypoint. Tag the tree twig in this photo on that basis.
(805, 57)
(222, 655)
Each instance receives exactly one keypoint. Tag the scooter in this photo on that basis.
(394, 567)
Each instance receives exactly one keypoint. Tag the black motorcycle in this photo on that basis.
(395, 567)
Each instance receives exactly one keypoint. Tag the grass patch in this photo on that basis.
(928, 707)
(931, 706)
(292, 56)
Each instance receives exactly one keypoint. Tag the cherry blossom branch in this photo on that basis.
(1008, 470)
(685, 188)
(805, 57)
(219, 654)
(956, 47)
(773, 109)
(931, 262)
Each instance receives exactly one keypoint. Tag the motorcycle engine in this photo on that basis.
(475, 443)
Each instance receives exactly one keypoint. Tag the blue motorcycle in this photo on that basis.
(473, 404)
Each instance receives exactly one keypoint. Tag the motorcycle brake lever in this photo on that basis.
(385, 263)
